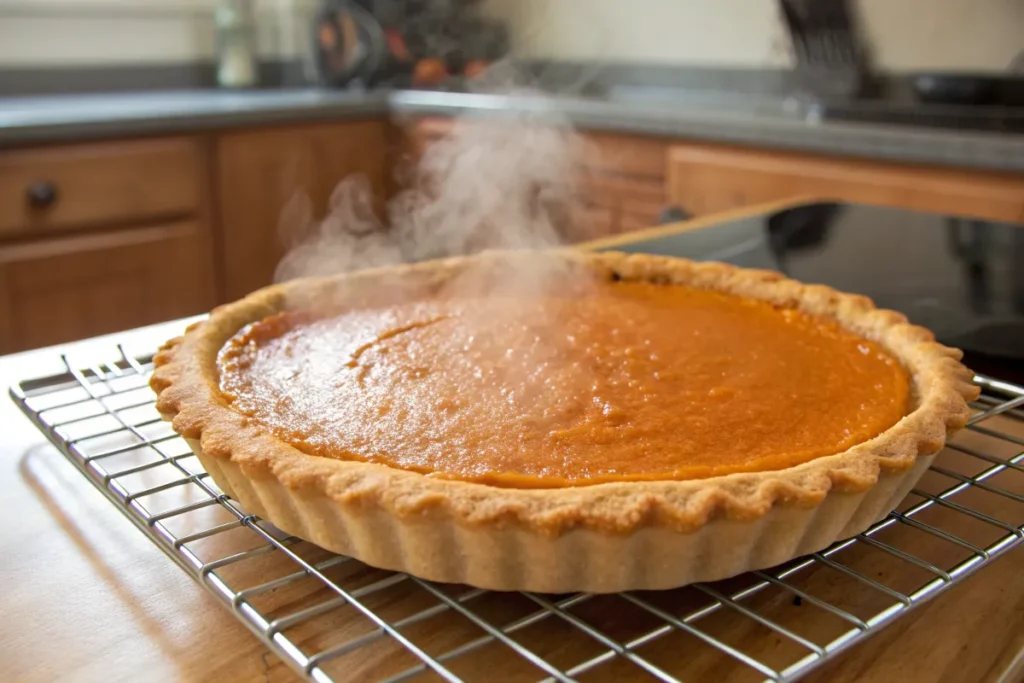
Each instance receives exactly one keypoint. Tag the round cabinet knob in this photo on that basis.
(41, 194)
(673, 214)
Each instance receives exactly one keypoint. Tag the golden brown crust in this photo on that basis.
(186, 382)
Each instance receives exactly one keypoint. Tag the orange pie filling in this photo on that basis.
(627, 381)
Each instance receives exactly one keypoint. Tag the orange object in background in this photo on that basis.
(475, 68)
(396, 43)
(429, 71)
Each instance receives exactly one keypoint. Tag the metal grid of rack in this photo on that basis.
(332, 618)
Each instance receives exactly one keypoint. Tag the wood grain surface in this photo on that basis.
(273, 182)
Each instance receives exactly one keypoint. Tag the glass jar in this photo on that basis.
(236, 44)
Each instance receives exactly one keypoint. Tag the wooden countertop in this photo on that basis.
(88, 597)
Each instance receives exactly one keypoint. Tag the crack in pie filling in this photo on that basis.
(642, 422)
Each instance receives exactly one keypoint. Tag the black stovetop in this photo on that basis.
(990, 119)
(962, 278)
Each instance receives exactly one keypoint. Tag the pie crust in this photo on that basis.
(600, 538)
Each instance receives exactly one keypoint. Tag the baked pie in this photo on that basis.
(558, 421)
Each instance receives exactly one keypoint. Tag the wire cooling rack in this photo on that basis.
(333, 618)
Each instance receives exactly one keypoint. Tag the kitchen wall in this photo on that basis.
(114, 32)
(692, 32)
(905, 34)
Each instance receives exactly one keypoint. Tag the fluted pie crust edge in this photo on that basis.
(601, 538)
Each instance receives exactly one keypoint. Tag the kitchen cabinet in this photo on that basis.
(101, 237)
(705, 179)
(273, 182)
(70, 288)
(628, 181)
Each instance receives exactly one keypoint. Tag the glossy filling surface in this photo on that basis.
(626, 381)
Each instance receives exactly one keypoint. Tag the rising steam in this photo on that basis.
(507, 182)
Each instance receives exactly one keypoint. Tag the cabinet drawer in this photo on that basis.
(98, 185)
(60, 290)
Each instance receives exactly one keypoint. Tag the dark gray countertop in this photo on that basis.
(771, 123)
(71, 117)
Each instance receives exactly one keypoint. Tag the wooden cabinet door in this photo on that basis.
(706, 179)
(271, 180)
(65, 289)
